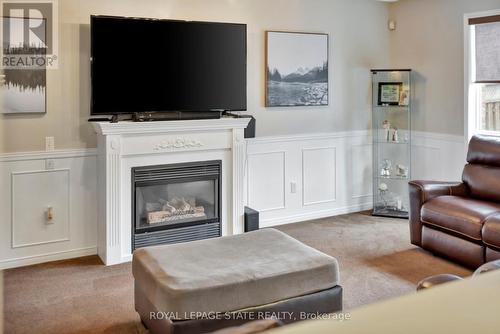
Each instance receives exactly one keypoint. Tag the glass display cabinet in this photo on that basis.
(391, 104)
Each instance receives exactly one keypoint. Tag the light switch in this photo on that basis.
(293, 187)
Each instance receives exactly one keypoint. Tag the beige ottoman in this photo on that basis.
(201, 286)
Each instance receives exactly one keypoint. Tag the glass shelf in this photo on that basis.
(403, 178)
(392, 142)
(398, 108)
(384, 211)
(390, 193)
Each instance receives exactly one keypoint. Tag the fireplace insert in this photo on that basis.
(176, 203)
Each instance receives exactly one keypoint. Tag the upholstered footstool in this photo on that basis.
(205, 285)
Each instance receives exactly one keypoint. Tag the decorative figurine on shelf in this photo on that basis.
(386, 125)
(383, 189)
(401, 171)
(395, 136)
(386, 168)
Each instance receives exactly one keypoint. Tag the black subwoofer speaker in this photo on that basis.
(251, 219)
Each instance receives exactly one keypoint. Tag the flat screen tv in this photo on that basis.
(150, 65)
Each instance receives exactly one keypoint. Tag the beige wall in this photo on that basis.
(429, 39)
(359, 41)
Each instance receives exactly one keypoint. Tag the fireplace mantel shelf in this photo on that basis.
(128, 127)
(125, 145)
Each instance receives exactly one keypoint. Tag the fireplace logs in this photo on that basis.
(173, 210)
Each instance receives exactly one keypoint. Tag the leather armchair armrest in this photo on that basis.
(423, 191)
(430, 189)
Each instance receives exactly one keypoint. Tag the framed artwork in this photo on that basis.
(23, 86)
(389, 93)
(296, 69)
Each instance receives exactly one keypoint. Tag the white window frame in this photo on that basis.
(472, 101)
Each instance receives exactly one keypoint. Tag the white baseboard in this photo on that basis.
(315, 215)
(41, 258)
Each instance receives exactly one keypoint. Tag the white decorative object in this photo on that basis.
(386, 168)
(134, 145)
(395, 136)
(401, 170)
(383, 187)
(177, 143)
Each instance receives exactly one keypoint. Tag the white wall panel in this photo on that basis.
(318, 175)
(273, 165)
(437, 157)
(361, 164)
(266, 193)
(32, 195)
(333, 172)
(29, 182)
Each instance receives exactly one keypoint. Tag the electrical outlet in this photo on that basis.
(50, 164)
(50, 144)
(293, 187)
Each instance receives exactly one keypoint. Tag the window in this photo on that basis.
(484, 74)
(489, 107)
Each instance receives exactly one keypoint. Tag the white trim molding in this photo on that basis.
(43, 155)
(47, 257)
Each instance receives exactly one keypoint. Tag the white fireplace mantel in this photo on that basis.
(124, 145)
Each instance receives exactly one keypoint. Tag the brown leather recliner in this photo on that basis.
(461, 220)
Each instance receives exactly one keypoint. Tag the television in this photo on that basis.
(152, 65)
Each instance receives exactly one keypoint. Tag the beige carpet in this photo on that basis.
(82, 296)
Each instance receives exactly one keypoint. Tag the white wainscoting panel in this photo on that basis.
(331, 173)
(269, 193)
(437, 156)
(318, 175)
(287, 178)
(32, 194)
(30, 182)
(361, 163)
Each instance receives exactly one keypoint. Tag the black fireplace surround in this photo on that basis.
(176, 203)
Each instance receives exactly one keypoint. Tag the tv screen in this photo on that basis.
(149, 65)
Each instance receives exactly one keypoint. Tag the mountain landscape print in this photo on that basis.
(297, 69)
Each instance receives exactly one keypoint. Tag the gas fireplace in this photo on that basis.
(176, 203)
